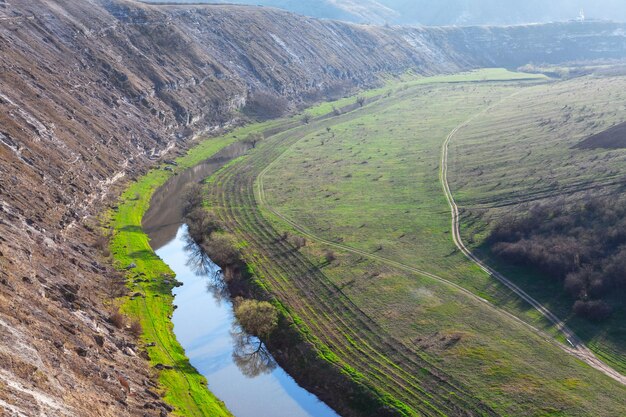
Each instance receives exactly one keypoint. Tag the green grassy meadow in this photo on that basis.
(365, 185)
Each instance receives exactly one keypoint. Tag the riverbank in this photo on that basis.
(150, 281)
(240, 370)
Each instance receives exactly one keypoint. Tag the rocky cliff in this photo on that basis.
(92, 91)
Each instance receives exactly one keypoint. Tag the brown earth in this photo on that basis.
(92, 92)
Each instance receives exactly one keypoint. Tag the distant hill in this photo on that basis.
(447, 12)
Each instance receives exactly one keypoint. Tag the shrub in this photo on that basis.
(135, 328)
(117, 319)
(258, 318)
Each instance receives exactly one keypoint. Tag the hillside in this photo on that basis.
(93, 92)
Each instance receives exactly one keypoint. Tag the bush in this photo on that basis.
(582, 244)
(135, 328)
(117, 319)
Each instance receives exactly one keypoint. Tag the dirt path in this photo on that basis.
(577, 346)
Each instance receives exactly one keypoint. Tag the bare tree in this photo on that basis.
(360, 100)
(115, 286)
(201, 224)
(117, 319)
(329, 256)
(136, 328)
(223, 250)
(298, 241)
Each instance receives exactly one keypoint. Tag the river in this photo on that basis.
(239, 370)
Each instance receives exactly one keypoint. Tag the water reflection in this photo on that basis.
(239, 369)
(249, 353)
(202, 266)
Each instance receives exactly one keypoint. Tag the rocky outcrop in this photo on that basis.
(92, 91)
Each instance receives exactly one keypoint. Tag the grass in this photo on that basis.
(371, 184)
(508, 159)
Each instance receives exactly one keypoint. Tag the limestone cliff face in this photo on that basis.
(92, 91)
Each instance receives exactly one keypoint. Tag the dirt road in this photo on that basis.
(576, 346)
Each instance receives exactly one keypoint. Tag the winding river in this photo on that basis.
(239, 370)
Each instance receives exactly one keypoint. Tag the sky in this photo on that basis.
(448, 12)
